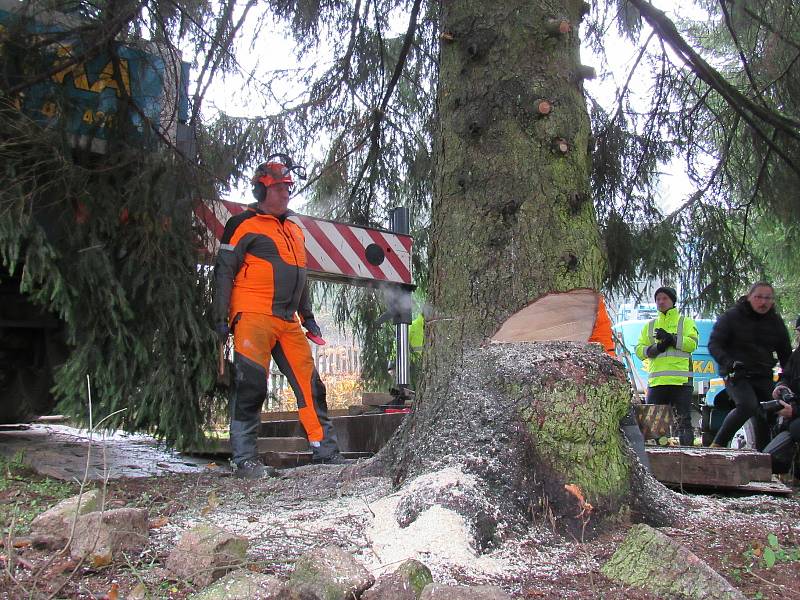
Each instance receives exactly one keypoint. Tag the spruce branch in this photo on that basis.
(751, 112)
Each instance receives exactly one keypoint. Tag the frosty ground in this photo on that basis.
(314, 506)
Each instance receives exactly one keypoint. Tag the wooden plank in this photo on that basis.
(52, 419)
(361, 433)
(282, 444)
(365, 433)
(359, 409)
(263, 444)
(291, 415)
(771, 487)
(297, 459)
(754, 487)
(709, 467)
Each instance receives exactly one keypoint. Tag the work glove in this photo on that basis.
(312, 327)
(652, 351)
(662, 335)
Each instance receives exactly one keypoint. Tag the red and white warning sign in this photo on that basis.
(334, 251)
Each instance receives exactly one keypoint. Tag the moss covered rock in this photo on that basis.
(331, 574)
(206, 553)
(241, 584)
(405, 583)
(651, 560)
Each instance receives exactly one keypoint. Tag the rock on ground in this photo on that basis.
(405, 583)
(206, 553)
(57, 521)
(649, 559)
(241, 584)
(110, 532)
(437, 591)
(330, 573)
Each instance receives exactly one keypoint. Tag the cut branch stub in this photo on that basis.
(585, 72)
(560, 145)
(543, 107)
(570, 261)
(556, 27)
(575, 202)
(447, 36)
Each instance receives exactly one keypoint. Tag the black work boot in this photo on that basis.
(253, 468)
(331, 459)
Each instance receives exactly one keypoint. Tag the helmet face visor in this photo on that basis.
(273, 174)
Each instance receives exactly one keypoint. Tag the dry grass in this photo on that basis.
(344, 390)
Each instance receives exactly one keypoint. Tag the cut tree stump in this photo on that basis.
(568, 316)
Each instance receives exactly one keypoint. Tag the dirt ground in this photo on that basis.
(316, 505)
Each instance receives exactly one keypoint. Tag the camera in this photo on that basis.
(773, 406)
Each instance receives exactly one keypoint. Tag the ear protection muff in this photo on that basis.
(259, 191)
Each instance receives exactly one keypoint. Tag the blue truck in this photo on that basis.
(87, 94)
(711, 402)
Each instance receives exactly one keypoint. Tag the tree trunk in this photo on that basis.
(512, 215)
(512, 221)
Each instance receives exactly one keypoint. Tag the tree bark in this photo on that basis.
(512, 215)
(512, 221)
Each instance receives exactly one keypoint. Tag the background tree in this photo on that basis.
(100, 233)
(723, 99)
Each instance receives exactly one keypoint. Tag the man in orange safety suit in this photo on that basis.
(260, 289)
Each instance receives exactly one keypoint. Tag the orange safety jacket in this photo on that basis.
(601, 332)
(261, 268)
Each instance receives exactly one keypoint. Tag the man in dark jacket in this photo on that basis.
(744, 341)
(783, 446)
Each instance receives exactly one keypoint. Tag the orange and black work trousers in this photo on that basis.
(256, 338)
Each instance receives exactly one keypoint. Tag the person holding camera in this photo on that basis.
(783, 446)
(667, 342)
(744, 342)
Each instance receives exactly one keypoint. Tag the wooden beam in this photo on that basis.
(709, 467)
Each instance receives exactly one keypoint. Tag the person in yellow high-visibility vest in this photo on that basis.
(416, 340)
(416, 335)
(665, 345)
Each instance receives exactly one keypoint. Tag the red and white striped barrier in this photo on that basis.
(334, 251)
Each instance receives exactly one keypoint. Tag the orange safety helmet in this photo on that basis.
(271, 173)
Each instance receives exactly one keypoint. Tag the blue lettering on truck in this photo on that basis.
(90, 91)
